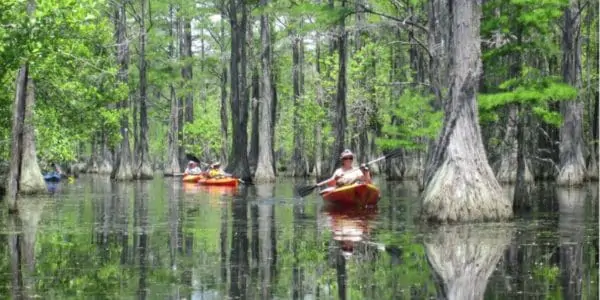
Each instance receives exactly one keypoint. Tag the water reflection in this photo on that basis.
(571, 229)
(349, 226)
(153, 239)
(21, 244)
(463, 257)
(238, 262)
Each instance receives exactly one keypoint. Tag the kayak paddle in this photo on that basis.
(307, 190)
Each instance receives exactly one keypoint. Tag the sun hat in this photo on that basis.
(346, 153)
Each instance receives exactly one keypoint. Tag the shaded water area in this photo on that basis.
(163, 239)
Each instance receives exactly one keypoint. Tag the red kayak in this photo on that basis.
(352, 195)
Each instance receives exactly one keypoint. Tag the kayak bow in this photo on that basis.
(227, 181)
(191, 178)
(352, 195)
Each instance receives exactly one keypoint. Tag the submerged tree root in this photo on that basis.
(461, 192)
(464, 256)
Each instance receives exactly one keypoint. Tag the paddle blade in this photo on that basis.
(305, 190)
(394, 153)
(192, 158)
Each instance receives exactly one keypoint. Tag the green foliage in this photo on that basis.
(68, 47)
(529, 90)
(204, 134)
(413, 118)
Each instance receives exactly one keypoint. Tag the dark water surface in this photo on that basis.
(161, 239)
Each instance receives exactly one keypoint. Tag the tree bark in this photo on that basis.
(264, 169)
(186, 102)
(463, 258)
(593, 168)
(143, 168)
(186, 71)
(223, 107)
(298, 160)
(122, 170)
(178, 23)
(339, 125)
(238, 160)
(172, 165)
(318, 168)
(571, 227)
(521, 198)
(572, 162)
(255, 102)
(459, 183)
(24, 176)
(506, 172)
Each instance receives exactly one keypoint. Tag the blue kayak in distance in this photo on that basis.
(52, 177)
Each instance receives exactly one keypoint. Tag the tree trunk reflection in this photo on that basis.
(238, 266)
(21, 244)
(266, 232)
(463, 257)
(173, 192)
(571, 227)
(141, 214)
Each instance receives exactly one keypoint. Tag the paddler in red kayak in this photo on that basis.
(347, 174)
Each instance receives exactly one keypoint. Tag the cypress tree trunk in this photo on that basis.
(255, 102)
(264, 170)
(318, 168)
(238, 161)
(223, 107)
(122, 170)
(572, 163)
(172, 165)
(143, 168)
(339, 125)
(298, 159)
(24, 173)
(459, 183)
(506, 172)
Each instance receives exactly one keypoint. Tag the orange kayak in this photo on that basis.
(227, 181)
(191, 178)
(352, 195)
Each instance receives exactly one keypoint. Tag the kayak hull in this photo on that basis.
(192, 178)
(352, 195)
(219, 181)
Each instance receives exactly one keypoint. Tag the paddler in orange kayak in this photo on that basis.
(192, 169)
(347, 174)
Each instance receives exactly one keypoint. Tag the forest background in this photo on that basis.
(281, 87)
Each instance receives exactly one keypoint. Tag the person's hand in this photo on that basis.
(336, 177)
(364, 168)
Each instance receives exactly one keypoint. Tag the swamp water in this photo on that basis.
(162, 239)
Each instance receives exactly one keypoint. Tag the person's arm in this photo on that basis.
(334, 178)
